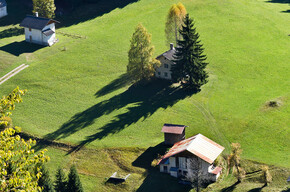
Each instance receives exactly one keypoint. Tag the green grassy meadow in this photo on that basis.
(78, 94)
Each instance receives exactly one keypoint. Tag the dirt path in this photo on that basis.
(12, 73)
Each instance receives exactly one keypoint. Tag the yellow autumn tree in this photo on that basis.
(19, 165)
(174, 22)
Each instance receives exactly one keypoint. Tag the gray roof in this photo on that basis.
(48, 32)
(35, 22)
(3, 3)
(168, 54)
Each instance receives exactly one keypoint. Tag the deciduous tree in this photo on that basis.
(141, 65)
(266, 175)
(190, 62)
(174, 22)
(234, 161)
(19, 165)
(45, 8)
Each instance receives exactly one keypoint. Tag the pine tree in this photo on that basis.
(189, 58)
(45, 181)
(174, 22)
(141, 65)
(60, 182)
(74, 184)
(45, 8)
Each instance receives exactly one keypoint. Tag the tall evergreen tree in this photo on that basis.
(174, 22)
(60, 182)
(45, 181)
(45, 8)
(141, 65)
(74, 184)
(190, 62)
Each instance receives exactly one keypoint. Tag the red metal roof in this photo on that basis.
(198, 145)
(171, 128)
(216, 170)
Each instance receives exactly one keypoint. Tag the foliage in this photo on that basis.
(45, 8)
(141, 65)
(5, 122)
(234, 161)
(60, 181)
(19, 165)
(266, 175)
(44, 181)
(174, 22)
(189, 58)
(74, 183)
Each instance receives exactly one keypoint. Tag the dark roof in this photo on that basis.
(36, 22)
(3, 3)
(168, 54)
(48, 32)
(171, 128)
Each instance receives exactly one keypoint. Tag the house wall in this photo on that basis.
(3, 11)
(170, 139)
(162, 70)
(38, 37)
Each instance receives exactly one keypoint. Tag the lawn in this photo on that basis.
(78, 93)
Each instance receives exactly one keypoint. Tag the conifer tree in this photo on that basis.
(189, 61)
(174, 22)
(74, 184)
(45, 181)
(141, 65)
(45, 8)
(60, 182)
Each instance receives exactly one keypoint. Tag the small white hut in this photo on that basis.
(3, 8)
(39, 30)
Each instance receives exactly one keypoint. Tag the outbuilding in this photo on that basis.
(173, 133)
(3, 8)
(39, 30)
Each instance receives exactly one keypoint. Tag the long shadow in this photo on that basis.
(15, 31)
(146, 99)
(18, 48)
(156, 181)
(282, 2)
(88, 11)
(230, 188)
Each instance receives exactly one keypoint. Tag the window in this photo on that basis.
(166, 66)
(165, 74)
(29, 29)
(165, 169)
(158, 73)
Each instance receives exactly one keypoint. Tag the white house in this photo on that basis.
(199, 149)
(166, 60)
(3, 8)
(39, 30)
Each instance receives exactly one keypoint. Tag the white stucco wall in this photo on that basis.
(3, 11)
(161, 71)
(38, 37)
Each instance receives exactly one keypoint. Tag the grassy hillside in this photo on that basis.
(78, 93)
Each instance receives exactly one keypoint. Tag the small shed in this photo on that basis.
(3, 8)
(173, 133)
(39, 30)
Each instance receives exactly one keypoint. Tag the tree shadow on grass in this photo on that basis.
(282, 2)
(146, 100)
(18, 48)
(15, 31)
(156, 181)
(230, 188)
(90, 11)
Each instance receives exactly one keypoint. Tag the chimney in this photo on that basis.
(36, 14)
(171, 46)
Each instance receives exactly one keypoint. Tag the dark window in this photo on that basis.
(159, 73)
(29, 29)
(165, 74)
(185, 173)
(165, 169)
(165, 65)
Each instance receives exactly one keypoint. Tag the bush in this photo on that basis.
(5, 122)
